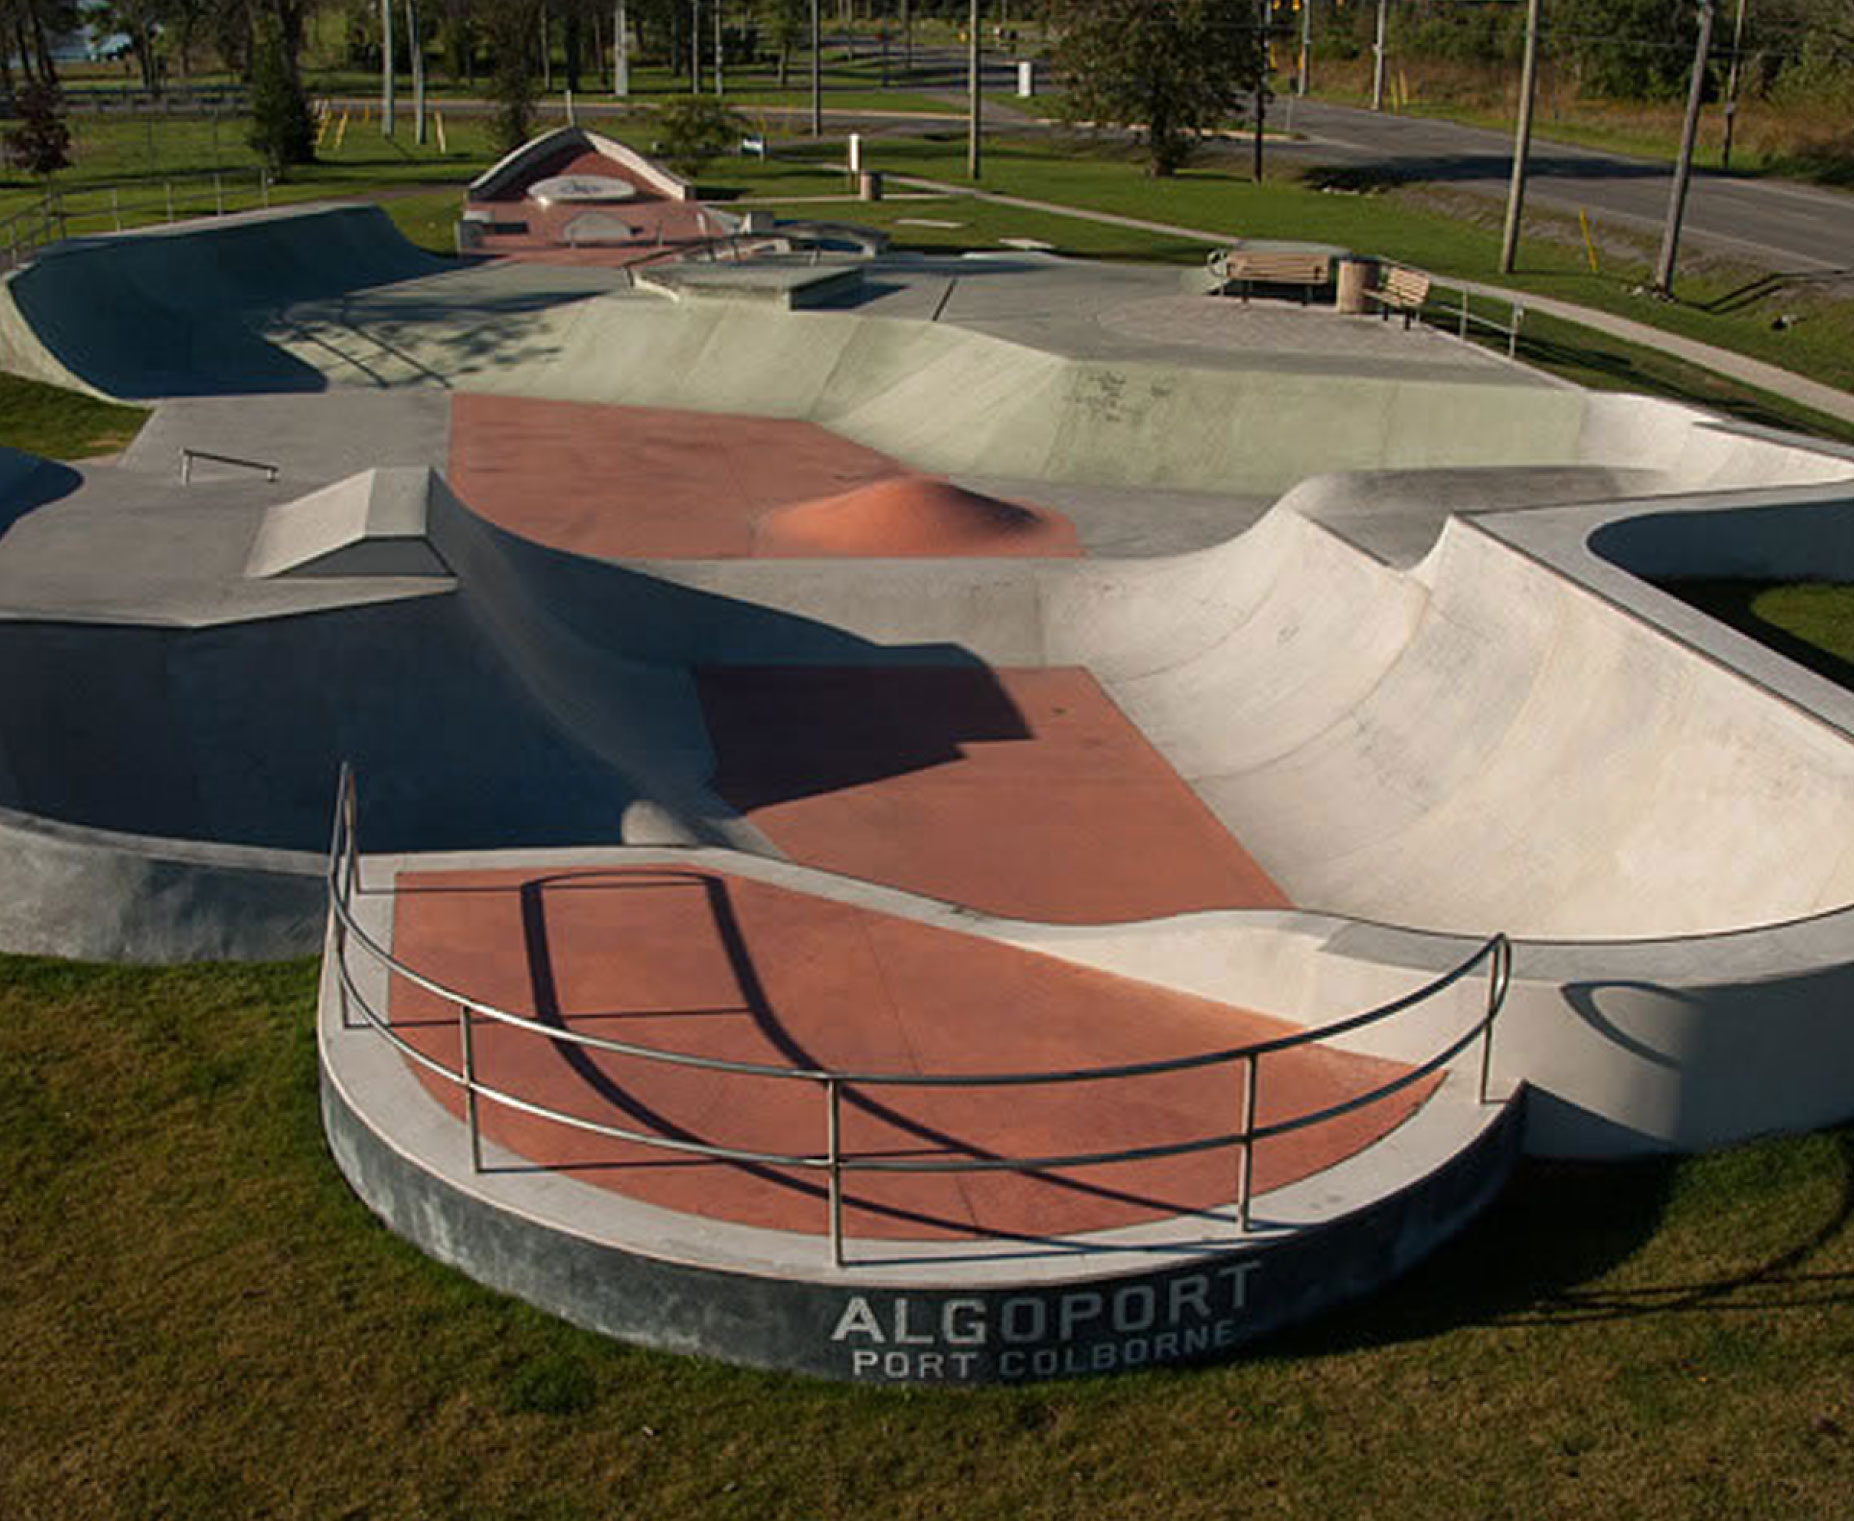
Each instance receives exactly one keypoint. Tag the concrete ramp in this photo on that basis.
(166, 310)
(371, 524)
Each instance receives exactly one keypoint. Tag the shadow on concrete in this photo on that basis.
(786, 733)
(50, 482)
(759, 1005)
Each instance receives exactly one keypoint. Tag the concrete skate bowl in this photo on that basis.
(1367, 739)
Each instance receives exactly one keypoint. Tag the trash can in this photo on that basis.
(1355, 277)
(869, 185)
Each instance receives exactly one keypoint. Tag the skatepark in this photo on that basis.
(920, 818)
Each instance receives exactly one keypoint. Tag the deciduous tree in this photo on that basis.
(1171, 70)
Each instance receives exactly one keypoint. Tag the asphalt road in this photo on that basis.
(1779, 226)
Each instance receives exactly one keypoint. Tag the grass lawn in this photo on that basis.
(61, 424)
(200, 1320)
(1811, 622)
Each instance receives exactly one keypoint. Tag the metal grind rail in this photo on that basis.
(1495, 957)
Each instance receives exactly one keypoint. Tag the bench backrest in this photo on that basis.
(1282, 267)
(1406, 287)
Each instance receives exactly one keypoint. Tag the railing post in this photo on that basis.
(186, 467)
(1499, 973)
(1464, 314)
(168, 186)
(350, 826)
(833, 1133)
(1245, 1169)
(218, 195)
(115, 206)
(1512, 332)
(469, 1076)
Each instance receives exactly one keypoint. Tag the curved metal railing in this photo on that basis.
(1495, 955)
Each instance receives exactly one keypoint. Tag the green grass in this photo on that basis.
(61, 424)
(1811, 622)
(200, 1320)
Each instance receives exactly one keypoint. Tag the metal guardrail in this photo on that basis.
(1461, 316)
(71, 211)
(346, 932)
(188, 456)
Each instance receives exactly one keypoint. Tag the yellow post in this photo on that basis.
(341, 132)
(438, 118)
(1583, 221)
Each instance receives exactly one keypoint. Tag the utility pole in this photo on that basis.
(386, 68)
(1306, 47)
(1377, 64)
(817, 70)
(974, 56)
(720, 83)
(1522, 140)
(1731, 88)
(1683, 170)
(695, 47)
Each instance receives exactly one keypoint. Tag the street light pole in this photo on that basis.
(1683, 169)
(1522, 140)
(974, 53)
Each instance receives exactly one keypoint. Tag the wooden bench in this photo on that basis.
(1401, 290)
(1248, 267)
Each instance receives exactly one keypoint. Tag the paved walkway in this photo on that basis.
(1753, 372)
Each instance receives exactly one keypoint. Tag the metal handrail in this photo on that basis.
(188, 456)
(343, 876)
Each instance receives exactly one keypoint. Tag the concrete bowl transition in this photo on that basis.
(971, 667)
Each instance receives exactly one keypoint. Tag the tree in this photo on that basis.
(1173, 70)
(1627, 49)
(788, 23)
(282, 132)
(694, 129)
(42, 140)
(513, 26)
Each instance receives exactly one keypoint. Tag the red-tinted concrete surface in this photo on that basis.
(649, 483)
(1021, 792)
(661, 227)
(706, 964)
